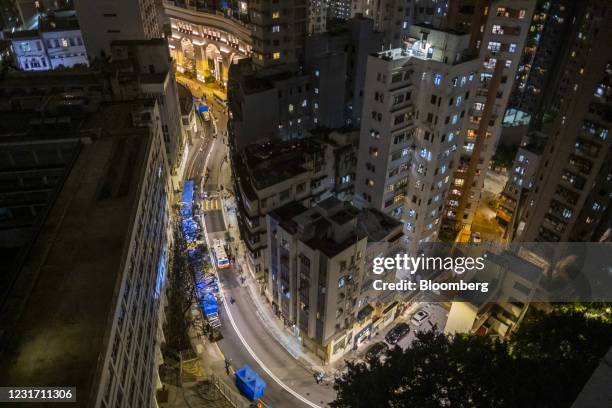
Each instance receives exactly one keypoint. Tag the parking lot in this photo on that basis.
(437, 317)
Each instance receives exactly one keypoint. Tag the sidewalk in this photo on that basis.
(264, 311)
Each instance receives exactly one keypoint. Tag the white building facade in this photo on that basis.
(414, 117)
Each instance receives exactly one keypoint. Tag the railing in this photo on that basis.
(226, 390)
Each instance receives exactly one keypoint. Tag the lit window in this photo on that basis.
(276, 14)
(454, 120)
(494, 46)
(437, 79)
(276, 29)
(317, 73)
(451, 136)
(304, 103)
(497, 29)
(522, 14)
(290, 107)
(459, 99)
(276, 55)
(512, 47)
(64, 42)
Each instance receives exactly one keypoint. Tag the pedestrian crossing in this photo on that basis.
(212, 204)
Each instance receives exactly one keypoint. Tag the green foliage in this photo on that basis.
(544, 364)
(504, 155)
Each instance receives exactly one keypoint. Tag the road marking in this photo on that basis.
(261, 364)
(235, 326)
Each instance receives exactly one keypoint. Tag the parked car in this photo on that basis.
(419, 317)
(377, 349)
(397, 333)
(476, 237)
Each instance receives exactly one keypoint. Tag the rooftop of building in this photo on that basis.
(61, 303)
(426, 42)
(270, 163)
(22, 82)
(333, 225)
(378, 226)
(61, 20)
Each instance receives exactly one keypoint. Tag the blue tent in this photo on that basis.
(187, 199)
(190, 229)
(202, 108)
(209, 305)
(249, 383)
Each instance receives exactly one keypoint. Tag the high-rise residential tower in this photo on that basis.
(414, 117)
(570, 198)
(498, 33)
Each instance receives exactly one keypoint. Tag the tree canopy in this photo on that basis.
(544, 364)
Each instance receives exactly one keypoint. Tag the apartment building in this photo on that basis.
(272, 174)
(545, 45)
(105, 22)
(56, 42)
(326, 92)
(414, 118)
(498, 33)
(520, 180)
(391, 17)
(278, 31)
(105, 234)
(340, 9)
(286, 96)
(269, 175)
(317, 16)
(570, 198)
(336, 63)
(318, 269)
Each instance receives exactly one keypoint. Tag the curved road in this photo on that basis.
(245, 339)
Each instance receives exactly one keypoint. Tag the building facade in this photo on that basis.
(319, 279)
(571, 194)
(55, 43)
(503, 27)
(105, 233)
(414, 117)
